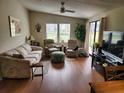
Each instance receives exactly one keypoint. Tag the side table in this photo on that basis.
(35, 43)
(36, 66)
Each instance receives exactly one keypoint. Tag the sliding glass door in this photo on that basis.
(94, 35)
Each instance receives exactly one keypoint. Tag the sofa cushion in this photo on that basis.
(27, 47)
(10, 52)
(50, 45)
(32, 60)
(33, 55)
(22, 51)
(70, 51)
(39, 52)
(53, 49)
(18, 56)
(37, 57)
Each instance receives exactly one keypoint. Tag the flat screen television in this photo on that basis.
(113, 43)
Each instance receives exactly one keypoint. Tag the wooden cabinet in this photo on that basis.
(34, 43)
(107, 87)
(99, 62)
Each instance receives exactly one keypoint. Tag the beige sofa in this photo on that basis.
(16, 63)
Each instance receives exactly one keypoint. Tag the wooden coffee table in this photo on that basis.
(36, 66)
(108, 87)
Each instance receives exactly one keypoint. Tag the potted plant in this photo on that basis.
(80, 32)
(96, 46)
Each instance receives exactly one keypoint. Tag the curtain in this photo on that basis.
(86, 44)
(101, 29)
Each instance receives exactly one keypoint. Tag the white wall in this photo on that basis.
(43, 18)
(15, 9)
(115, 19)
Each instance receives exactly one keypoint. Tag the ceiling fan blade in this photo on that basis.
(63, 10)
(71, 11)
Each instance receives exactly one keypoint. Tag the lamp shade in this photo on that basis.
(32, 38)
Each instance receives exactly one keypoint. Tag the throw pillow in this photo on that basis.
(18, 56)
(22, 51)
(10, 52)
(27, 47)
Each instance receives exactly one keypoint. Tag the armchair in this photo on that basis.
(49, 47)
(72, 49)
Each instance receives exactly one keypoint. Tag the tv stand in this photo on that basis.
(114, 59)
(100, 61)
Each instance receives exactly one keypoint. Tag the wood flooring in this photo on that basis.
(71, 77)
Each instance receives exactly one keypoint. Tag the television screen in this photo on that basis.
(116, 36)
(106, 36)
(113, 42)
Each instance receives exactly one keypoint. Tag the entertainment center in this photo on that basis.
(100, 61)
(111, 53)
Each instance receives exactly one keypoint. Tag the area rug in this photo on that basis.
(45, 68)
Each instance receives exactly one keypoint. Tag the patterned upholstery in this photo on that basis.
(27, 47)
(70, 52)
(57, 56)
(12, 66)
(48, 42)
(11, 52)
(72, 44)
(22, 51)
(49, 46)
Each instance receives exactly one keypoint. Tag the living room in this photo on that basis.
(76, 73)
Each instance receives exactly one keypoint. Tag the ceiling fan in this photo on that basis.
(63, 10)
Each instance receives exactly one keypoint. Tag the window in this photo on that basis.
(51, 31)
(116, 36)
(97, 32)
(58, 32)
(64, 32)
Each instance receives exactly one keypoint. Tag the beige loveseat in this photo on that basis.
(16, 63)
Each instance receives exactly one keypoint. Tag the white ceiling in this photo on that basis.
(83, 8)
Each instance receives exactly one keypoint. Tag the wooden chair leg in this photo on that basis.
(42, 72)
(32, 73)
(92, 90)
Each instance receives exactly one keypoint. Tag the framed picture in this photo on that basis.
(15, 29)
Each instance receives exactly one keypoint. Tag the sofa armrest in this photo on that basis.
(35, 48)
(14, 68)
